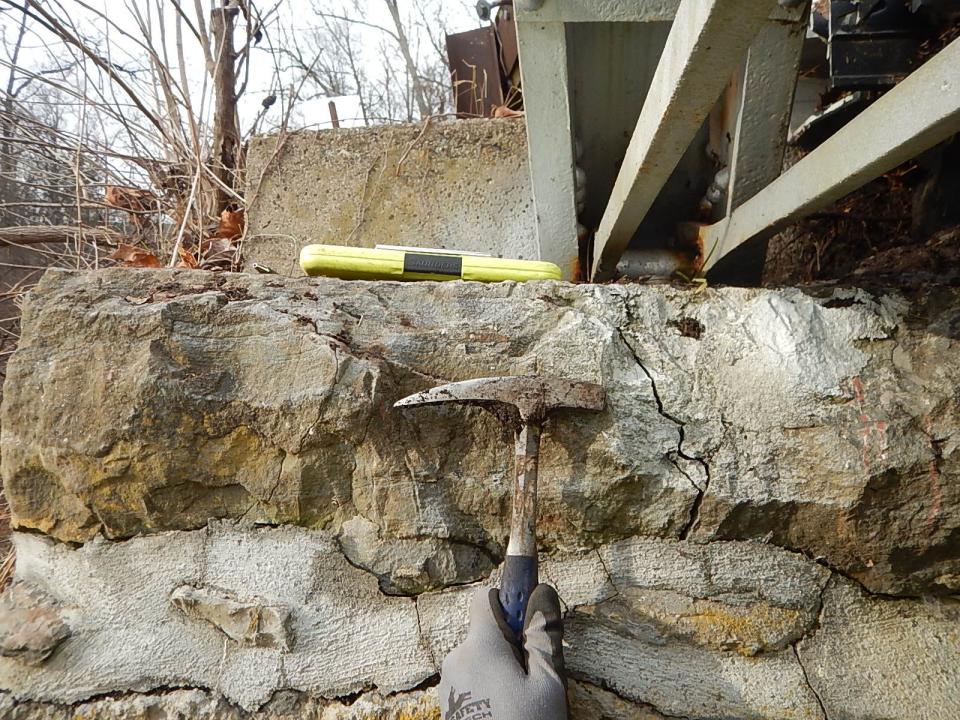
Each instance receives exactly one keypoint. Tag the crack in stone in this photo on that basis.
(276, 484)
(322, 405)
(121, 695)
(806, 680)
(694, 515)
(606, 570)
(604, 685)
(494, 559)
(834, 570)
(423, 638)
(166, 690)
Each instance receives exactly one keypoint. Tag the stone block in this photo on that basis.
(460, 185)
(32, 624)
(822, 422)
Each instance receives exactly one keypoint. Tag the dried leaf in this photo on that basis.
(132, 256)
(215, 246)
(217, 253)
(230, 226)
(129, 198)
(187, 260)
(502, 111)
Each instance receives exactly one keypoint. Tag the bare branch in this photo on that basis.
(34, 235)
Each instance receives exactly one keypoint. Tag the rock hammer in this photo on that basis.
(522, 404)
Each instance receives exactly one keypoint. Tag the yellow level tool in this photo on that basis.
(401, 263)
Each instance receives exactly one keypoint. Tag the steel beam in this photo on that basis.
(766, 99)
(763, 120)
(920, 112)
(546, 100)
(707, 44)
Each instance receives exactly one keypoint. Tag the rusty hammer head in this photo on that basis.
(516, 401)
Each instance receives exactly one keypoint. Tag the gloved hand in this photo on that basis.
(489, 677)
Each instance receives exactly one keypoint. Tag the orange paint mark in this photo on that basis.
(936, 486)
(874, 440)
(858, 390)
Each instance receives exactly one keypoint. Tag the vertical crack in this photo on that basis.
(606, 570)
(806, 679)
(694, 516)
(423, 638)
(811, 631)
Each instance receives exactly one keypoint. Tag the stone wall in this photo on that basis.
(219, 514)
(458, 185)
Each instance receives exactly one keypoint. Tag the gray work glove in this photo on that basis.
(489, 677)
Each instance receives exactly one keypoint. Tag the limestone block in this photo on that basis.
(32, 624)
(411, 566)
(461, 185)
(197, 704)
(654, 628)
(824, 421)
(128, 637)
(699, 631)
(586, 701)
(876, 657)
(264, 409)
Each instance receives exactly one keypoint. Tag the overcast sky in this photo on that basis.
(298, 16)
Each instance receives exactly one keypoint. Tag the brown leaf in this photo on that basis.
(187, 260)
(217, 253)
(215, 246)
(230, 226)
(129, 198)
(502, 111)
(132, 256)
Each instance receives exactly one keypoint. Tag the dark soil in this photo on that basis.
(903, 228)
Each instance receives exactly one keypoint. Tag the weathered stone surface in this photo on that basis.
(128, 637)
(461, 185)
(828, 425)
(279, 409)
(876, 657)
(143, 401)
(203, 705)
(699, 631)
(247, 623)
(664, 626)
(745, 597)
(586, 701)
(411, 566)
(32, 624)
(589, 701)
(682, 608)
(349, 635)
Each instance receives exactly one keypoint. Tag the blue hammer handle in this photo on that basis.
(518, 581)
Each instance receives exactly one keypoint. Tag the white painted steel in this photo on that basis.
(763, 121)
(707, 42)
(920, 112)
(543, 68)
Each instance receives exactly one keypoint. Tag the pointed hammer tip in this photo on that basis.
(526, 393)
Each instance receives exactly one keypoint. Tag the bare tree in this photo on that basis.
(226, 123)
(12, 90)
(413, 72)
(398, 69)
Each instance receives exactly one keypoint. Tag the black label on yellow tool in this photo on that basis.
(432, 264)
